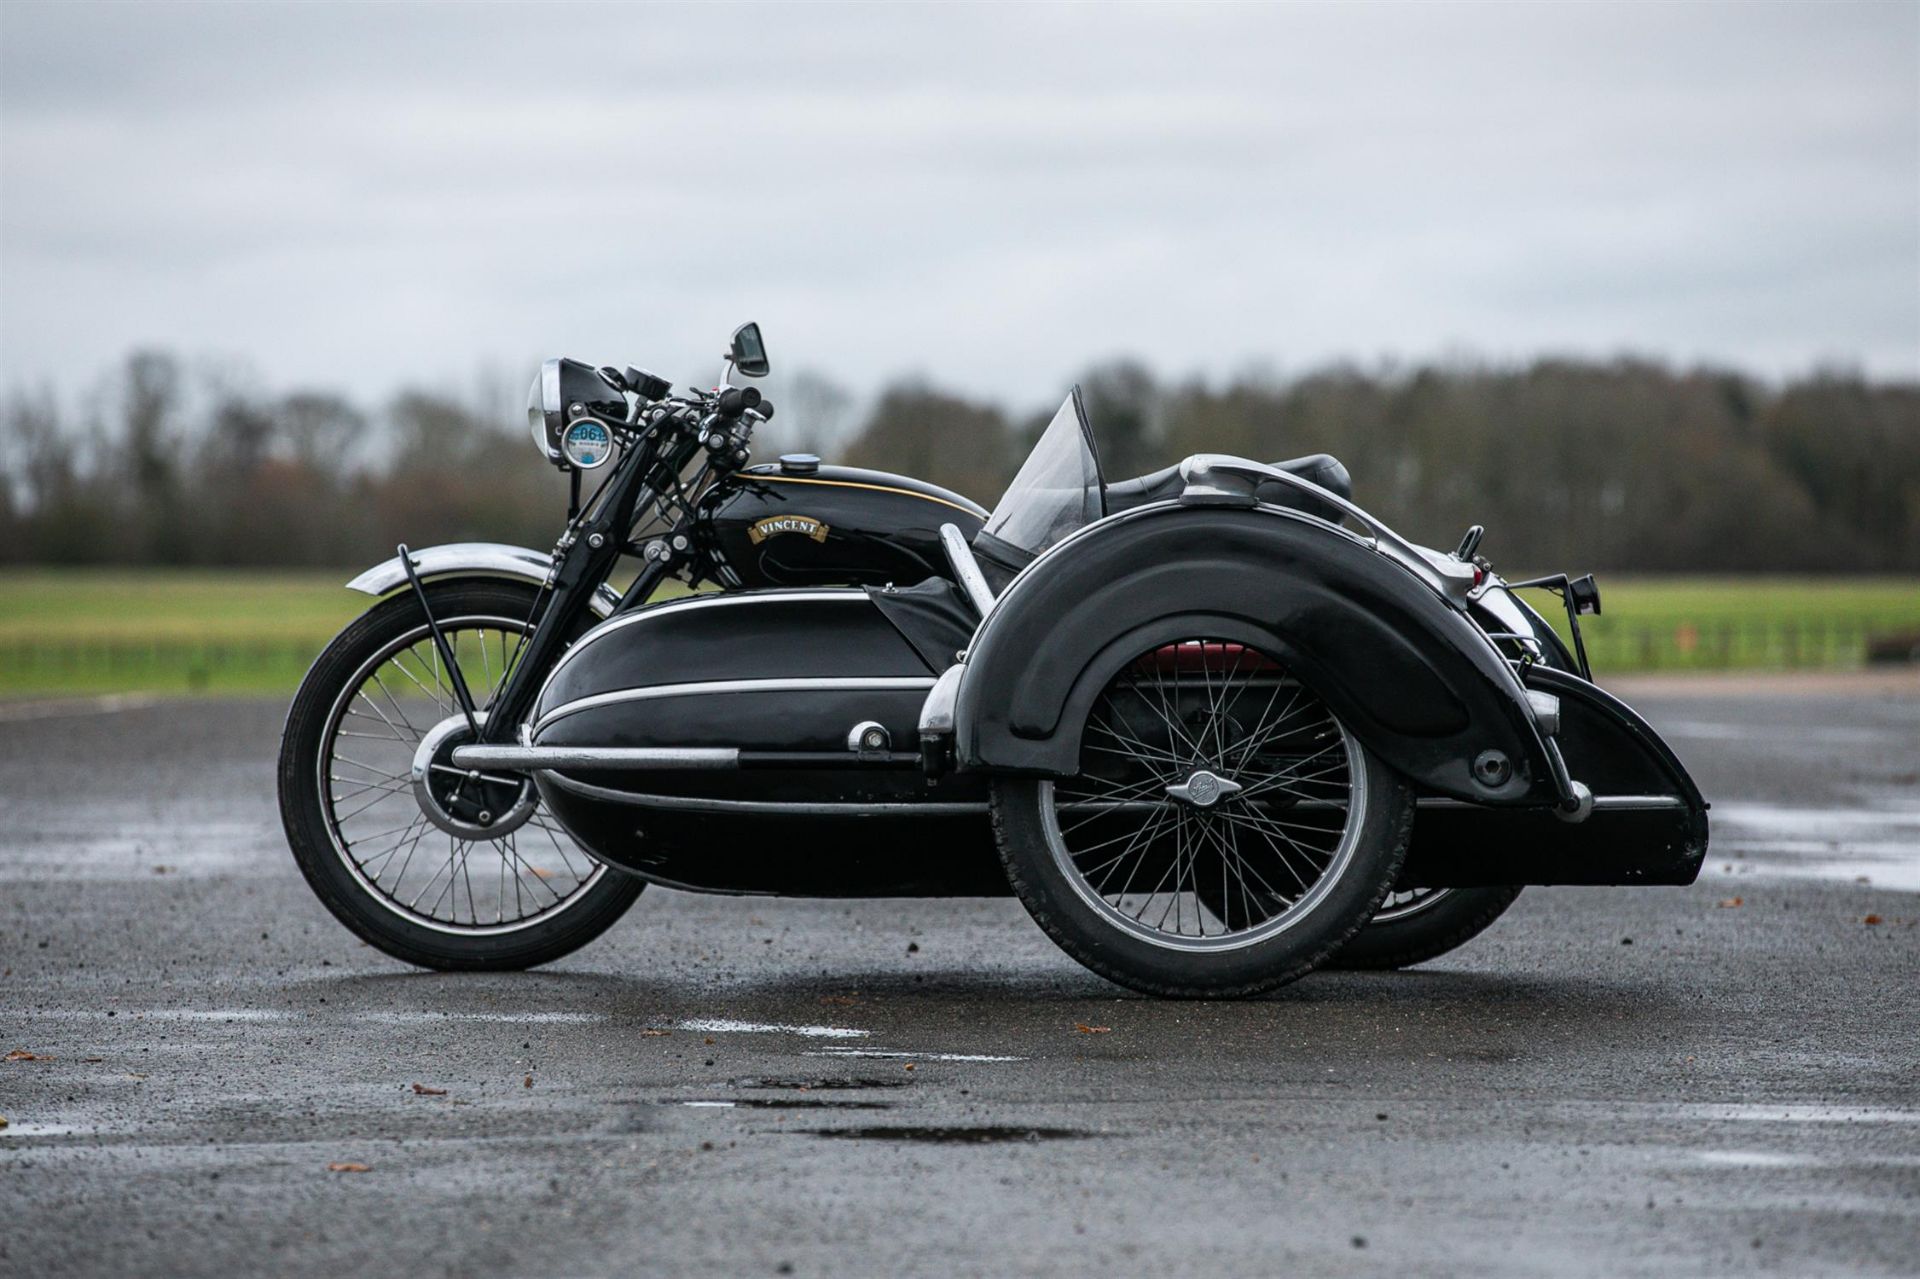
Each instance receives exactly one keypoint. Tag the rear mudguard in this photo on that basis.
(1648, 825)
(1409, 674)
(494, 560)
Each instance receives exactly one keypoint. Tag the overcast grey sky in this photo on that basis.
(357, 195)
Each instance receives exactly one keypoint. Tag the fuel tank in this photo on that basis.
(783, 678)
(798, 523)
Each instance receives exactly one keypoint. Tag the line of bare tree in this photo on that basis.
(1621, 464)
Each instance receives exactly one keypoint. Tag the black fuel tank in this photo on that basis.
(811, 525)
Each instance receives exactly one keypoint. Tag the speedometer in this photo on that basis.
(586, 444)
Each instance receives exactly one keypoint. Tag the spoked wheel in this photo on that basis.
(1224, 833)
(1415, 925)
(436, 865)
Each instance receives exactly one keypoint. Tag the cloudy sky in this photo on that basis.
(361, 195)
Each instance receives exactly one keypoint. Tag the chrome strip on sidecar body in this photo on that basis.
(704, 687)
(699, 804)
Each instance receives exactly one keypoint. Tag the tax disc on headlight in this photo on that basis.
(586, 444)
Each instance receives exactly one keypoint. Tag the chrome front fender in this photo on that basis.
(474, 559)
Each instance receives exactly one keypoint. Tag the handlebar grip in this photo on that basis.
(736, 400)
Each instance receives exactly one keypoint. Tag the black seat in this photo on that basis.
(1320, 468)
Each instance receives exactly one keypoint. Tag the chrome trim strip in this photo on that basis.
(936, 713)
(966, 568)
(708, 599)
(1449, 578)
(595, 757)
(884, 684)
(478, 559)
(1601, 803)
(690, 804)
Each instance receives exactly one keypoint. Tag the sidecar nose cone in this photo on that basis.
(1203, 789)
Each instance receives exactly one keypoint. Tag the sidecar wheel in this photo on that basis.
(1226, 832)
(363, 838)
(1425, 923)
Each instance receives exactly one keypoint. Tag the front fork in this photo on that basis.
(583, 562)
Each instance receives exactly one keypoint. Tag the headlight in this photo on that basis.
(544, 410)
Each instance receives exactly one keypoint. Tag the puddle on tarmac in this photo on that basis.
(19, 1129)
(1788, 1113)
(1837, 845)
(162, 1014)
(1702, 730)
(1753, 1159)
(783, 1103)
(983, 1135)
(51, 850)
(542, 1018)
(827, 1083)
(726, 1026)
(889, 1055)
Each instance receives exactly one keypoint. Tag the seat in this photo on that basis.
(1320, 468)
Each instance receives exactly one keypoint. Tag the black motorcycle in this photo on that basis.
(1214, 726)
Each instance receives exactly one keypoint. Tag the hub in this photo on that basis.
(1203, 789)
(465, 802)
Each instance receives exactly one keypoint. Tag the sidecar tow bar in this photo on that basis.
(645, 758)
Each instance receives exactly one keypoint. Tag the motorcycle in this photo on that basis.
(1213, 726)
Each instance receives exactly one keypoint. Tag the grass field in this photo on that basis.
(66, 632)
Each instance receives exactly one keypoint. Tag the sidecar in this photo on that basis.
(1200, 723)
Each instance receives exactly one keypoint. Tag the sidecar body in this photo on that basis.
(842, 741)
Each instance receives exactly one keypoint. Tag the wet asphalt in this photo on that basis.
(1722, 1079)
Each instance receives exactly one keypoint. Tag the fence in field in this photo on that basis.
(1625, 645)
(1615, 646)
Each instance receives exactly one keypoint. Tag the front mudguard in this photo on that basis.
(1648, 824)
(474, 559)
(1409, 674)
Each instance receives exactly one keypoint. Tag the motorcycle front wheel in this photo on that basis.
(1224, 835)
(431, 864)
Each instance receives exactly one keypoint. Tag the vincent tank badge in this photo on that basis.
(775, 525)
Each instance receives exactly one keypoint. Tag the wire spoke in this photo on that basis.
(398, 693)
(1202, 869)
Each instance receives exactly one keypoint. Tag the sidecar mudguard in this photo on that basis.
(1648, 824)
(1409, 673)
(473, 559)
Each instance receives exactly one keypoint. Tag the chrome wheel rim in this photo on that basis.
(394, 850)
(1403, 905)
(1219, 801)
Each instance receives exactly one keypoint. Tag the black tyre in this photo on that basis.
(1423, 923)
(1225, 834)
(1414, 926)
(420, 878)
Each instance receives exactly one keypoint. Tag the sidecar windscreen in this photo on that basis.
(1058, 490)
